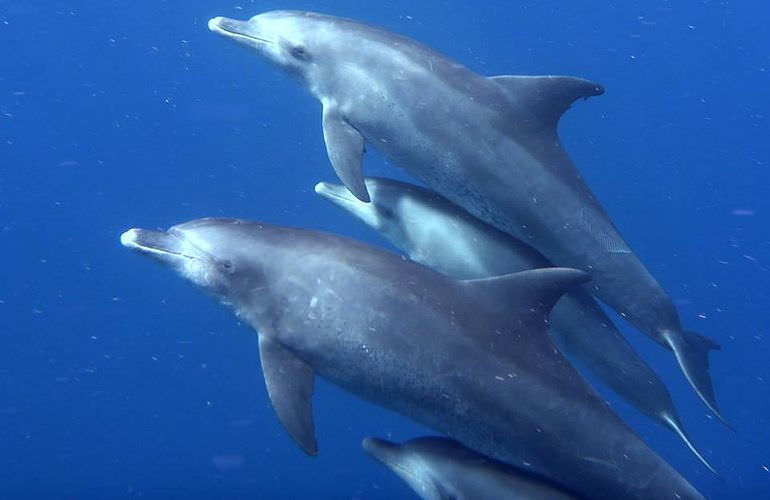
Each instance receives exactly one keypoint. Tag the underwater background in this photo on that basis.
(118, 379)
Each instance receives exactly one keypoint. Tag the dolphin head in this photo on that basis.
(440, 468)
(405, 214)
(217, 255)
(295, 41)
(328, 54)
(407, 465)
(386, 210)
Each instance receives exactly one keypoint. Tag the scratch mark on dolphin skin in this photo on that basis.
(606, 240)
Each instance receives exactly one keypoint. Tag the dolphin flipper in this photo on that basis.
(290, 383)
(692, 350)
(345, 147)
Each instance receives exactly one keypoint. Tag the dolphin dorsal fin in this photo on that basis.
(547, 97)
(289, 382)
(528, 296)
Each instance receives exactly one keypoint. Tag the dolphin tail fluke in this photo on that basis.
(692, 350)
(675, 425)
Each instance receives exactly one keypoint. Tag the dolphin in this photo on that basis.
(434, 232)
(439, 468)
(401, 335)
(489, 145)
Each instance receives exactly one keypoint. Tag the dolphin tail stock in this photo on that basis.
(673, 423)
(692, 350)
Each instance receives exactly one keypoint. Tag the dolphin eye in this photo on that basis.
(226, 266)
(299, 52)
(386, 212)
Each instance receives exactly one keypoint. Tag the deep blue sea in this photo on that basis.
(119, 380)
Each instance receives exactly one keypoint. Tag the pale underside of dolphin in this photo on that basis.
(413, 340)
(431, 230)
(487, 144)
(438, 468)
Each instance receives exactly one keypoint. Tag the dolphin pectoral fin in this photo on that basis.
(528, 295)
(692, 350)
(547, 96)
(345, 147)
(289, 383)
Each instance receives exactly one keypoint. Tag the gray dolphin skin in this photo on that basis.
(489, 145)
(401, 335)
(437, 233)
(438, 468)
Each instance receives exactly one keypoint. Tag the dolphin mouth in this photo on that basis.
(231, 28)
(156, 243)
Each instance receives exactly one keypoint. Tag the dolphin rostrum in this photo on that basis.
(438, 468)
(488, 144)
(406, 337)
(433, 231)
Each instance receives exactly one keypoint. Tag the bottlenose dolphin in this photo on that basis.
(487, 144)
(438, 468)
(437, 233)
(406, 337)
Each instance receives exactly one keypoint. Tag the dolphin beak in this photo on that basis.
(219, 25)
(157, 244)
(342, 197)
(239, 31)
(336, 193)
(381, 449)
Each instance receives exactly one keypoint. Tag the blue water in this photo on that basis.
(117, 379)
